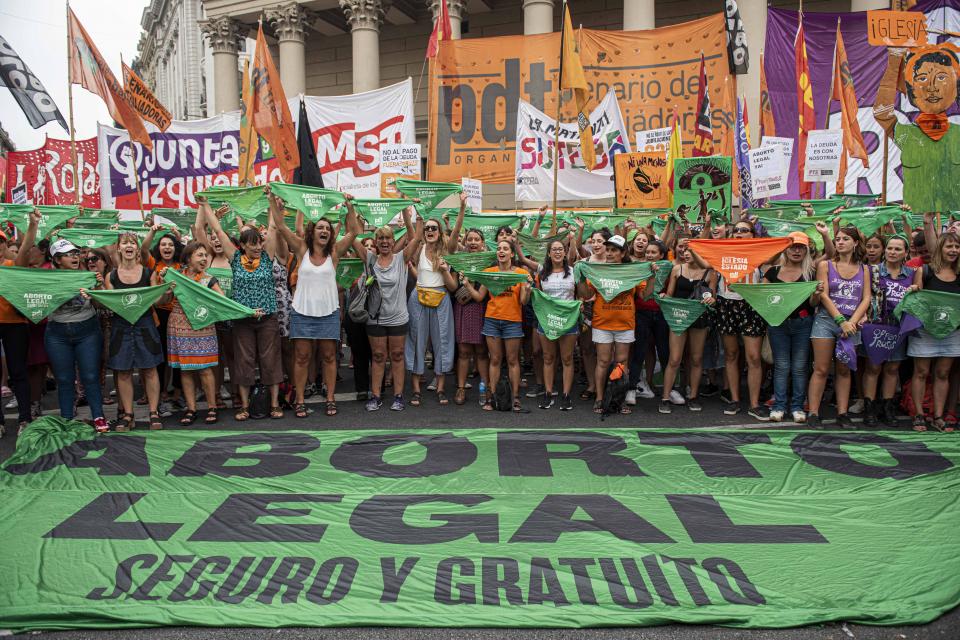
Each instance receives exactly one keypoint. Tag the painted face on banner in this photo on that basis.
(931, 78)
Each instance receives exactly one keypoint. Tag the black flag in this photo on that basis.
(308, 173)
(27, 90)
(737, 53)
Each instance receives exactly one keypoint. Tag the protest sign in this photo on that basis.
(47, 174)
(397, 161)
(703, 185)
(896, 28)
(654, 139)
(824, 153)
(474, 190)
(641, 180)
(768, 171)
(785, 144)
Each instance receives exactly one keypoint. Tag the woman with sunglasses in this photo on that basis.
(430, 307)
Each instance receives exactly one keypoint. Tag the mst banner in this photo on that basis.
(476, 84)
(536, 139)
(192, 156)
(48, 173)
(481, 527)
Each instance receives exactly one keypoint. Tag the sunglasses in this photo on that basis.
(90, 259)
(431, 228)
(71, 254)
(742, 230)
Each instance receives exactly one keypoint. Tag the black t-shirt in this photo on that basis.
(804, 310)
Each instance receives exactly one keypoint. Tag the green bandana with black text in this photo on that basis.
(612, 279)
(555, 317)
(430, 194)
(496, 282)
(36, 293)
(380, 211)
(314, 202)
(680, 313)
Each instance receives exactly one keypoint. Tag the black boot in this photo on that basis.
(888, 414)
(870, 410)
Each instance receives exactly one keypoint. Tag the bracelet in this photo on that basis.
(839, 319)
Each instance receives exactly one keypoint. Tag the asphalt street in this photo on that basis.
(431, 416)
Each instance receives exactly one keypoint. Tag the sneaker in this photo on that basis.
(709, 390)
(165, 410)
(644, 390)
(224, 392)
(433, 385)
(374, 403)
(814, 422)
(731, 408)
(100, 424)
(398, 404)
(857, 407)
(760, 413)
(665, 407)
(776, 416)
(309, 390)
(694, 405)
(844, 421)
(534, 391)
(799, 417)
(631, 398)
(36, 410)
(566, 404)
(546, 401)
(12, 404)
(676, 398)
(725, 396)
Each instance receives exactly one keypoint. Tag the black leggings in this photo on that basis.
(362, 355)
(650, 325)
(16, 338)
(164, 316)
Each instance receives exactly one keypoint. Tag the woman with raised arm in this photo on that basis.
(556, 280)
(166, 255)
(468, 326)
(315, 315)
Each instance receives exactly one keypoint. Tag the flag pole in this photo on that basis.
(77, 182)
(826, 116)
(133, 160)
(556, 132)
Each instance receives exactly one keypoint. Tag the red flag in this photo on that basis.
(270, 114)
(844, 93)
(87, 68)
(768, 126)
(442, 30)
(703, 131)
(804, 105)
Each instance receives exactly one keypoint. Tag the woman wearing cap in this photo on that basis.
(790, 341)
(593, 252)
(614, 323)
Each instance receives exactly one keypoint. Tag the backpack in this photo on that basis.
(259, 406)
(615, 391)
(502, 399)
(365, 301)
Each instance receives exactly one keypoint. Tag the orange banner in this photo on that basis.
(143, 100)
(475, 85)
(641, 180)
(735, 258)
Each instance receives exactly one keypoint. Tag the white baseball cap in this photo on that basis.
(618, 241)
(62, 246)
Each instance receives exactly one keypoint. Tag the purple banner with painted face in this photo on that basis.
(880, 341)
(867, 64)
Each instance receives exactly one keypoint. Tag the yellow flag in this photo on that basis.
(571, 77)
(249, 140)
(674, 151)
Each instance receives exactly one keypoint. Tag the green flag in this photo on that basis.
(314, 202)
(593, 221)
(183, 218)
(38, 292)
(488, 223)
(88, 238)
(780, 228)
(661, 274)
(828, 205)
(496, 282)
(96, 219)
(224, 276)
(680, 313)
(775, 301)
(612, 279)
(430, 193)
(537, 247)
(475, 261)
(556, 317)
(380, 211)
(348, 270)
(129, 304)
(247, 202)
(856, 199)
(642, 217)
(869, 219)
(938, 311)
(51, 217)
(202, 305)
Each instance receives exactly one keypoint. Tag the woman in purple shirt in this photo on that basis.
(843, 304)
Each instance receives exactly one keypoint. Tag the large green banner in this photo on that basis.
(477, 527)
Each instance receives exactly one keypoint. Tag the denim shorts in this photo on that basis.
(502, 328)
(826, 327)
(314, 327)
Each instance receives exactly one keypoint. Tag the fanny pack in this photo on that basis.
(430, 297)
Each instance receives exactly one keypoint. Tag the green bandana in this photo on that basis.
(680, 313)
(202, 305)
(489, 223)
(247, 202)
(938, 311)
(611, 279)
(224, 278)
(38, 292)
(96, 219)
(183, 218)
(856, 199)
(537, 247)
(595, 221)
(660, 278)
(642, 217)
(869, 219)
(819, 206)
(781, 228)
(88, 238)
(130, 304)
(348, 270)
(659, 225)
(476, 261)
(380, 211)
(775, 301)
(556, 317)
(52, 217)
(314, 202)
(430, 193)
(496, 282)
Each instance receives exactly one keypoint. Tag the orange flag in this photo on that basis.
(87, 68)
(844, 93)
(143, 100)
(768, 126)
(269, 113)
(442, 30)
(804, 105)
(734, 259)
(572, 77)
(249, 140)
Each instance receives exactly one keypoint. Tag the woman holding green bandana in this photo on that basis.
(468, 324)
(556, 280)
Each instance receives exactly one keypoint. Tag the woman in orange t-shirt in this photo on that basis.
(503, 322)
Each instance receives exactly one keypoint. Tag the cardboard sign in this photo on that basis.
(823, 155)
(785, 144)
(896, 28)
(768, 171)
(397, 161)
(654, 139)
(641, 180)
(474, 191)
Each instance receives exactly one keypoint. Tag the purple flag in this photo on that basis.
(880, 341)
(908, 323)
(846, 353)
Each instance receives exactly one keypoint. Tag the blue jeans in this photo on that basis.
(790, 343)
(73, 347)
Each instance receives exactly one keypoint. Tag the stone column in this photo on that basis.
(754, 16)
(457, 10)
(537, 17)
(868, 5)
(289, 22)
(224, 36)
(364, 18)
(638, 14)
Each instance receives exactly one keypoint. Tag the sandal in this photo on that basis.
(301, 411)
(598, 407)
(415, 399)
(188, 418)
(442, 398)
(919, 423)
(517, 408)
(940, 425)
(276, 413)
(243, 415)
(156, 424)
(331, 408)
(625, 410)
(212, 417)
(488, 405)
(586, 394)
(126, 422)
(460, 397)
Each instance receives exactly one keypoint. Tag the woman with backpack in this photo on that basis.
(556, 280)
